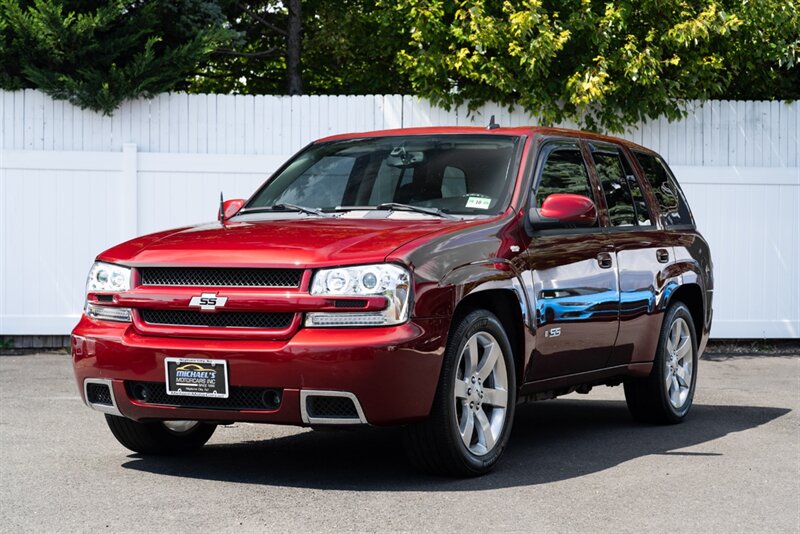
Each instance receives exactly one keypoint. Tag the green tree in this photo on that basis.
(344, 47)
(97, 53)
(603, 64)
(351, 47)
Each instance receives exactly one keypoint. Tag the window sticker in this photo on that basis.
(479, 203)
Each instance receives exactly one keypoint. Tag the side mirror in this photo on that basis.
(563, 210)
(229, 208)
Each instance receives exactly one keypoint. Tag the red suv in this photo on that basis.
(431, 278)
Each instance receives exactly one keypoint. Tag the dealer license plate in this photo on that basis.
(197, 377)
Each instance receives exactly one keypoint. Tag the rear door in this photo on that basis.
(573, 275)
(640, 250)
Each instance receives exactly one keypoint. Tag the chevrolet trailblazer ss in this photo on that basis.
(431, 278)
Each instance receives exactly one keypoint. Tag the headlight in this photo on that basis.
(386, 280)
(108, 278)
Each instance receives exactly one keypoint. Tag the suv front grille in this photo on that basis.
(239, 398)
(219, 277)
(263, 320)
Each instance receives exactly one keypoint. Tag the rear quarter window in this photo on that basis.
(670, 199)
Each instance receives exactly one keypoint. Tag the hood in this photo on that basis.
(286, 242)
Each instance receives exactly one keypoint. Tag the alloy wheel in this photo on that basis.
(678, 364)
(179, 427)
(481, 393)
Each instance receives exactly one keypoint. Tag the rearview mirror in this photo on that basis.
(561, 210)
(229, 209)
(400, 157)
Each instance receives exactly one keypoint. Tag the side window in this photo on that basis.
(563, 172)
(454, 182)
(323, 184)
(621, 211)
(668, 195)
(643, 216)
(624, 198)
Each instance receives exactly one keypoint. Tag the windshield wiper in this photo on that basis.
(418, 209)
(304, 209)
(291, 207)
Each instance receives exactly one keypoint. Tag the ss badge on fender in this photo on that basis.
(553, 332)
(208, 301)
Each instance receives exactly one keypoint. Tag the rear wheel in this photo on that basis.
(472, 413)
(167, 437)
(667, 394)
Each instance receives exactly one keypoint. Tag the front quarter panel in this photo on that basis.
(433, 258)
(475, 259)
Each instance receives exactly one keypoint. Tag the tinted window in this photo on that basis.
(469, 174)
(621, 211)
(454, 182)
(387, 181)
(668, 195)
(563, 172)
(624, 198)
(323, 183)
(643, 216)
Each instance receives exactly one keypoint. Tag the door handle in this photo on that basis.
(604, 260)
(662, 255)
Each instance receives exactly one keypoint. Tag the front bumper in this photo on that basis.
(392, 371)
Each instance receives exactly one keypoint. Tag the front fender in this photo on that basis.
(489, 275)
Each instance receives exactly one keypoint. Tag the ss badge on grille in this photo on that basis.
(208, 301)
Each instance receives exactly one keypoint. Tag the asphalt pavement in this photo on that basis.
(578, 463)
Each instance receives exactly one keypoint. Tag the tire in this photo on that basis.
(485, 408)
(666, 395)
(157, 438)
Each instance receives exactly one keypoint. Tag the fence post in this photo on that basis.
(130, 191)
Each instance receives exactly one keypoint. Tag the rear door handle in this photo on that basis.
(662, 255)
(604, 260)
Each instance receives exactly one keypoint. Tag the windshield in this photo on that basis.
(461, 174)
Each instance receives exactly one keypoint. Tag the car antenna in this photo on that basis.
(221, 207)
(492, 125)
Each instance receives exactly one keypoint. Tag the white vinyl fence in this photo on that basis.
(74, 182)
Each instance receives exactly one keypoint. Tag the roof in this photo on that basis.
(516, 131)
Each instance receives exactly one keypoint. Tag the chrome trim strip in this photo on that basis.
(307, 419)
(113, 409)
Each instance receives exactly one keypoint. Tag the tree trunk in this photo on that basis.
(294, 75)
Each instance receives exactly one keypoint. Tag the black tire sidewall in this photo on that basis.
(154, 438)
(178, 440)
(677, 311)
(472, 323)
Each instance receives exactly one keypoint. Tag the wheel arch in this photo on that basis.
(505, 304)
(692, 296)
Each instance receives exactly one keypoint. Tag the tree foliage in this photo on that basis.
(352, 48)
(346, 47)
(603, 64)
(98, 53)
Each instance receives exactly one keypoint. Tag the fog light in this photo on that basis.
(108, 313)
(346, 319)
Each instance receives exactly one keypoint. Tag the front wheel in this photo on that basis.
(473, 411)
(167, 437)
(667, 394)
